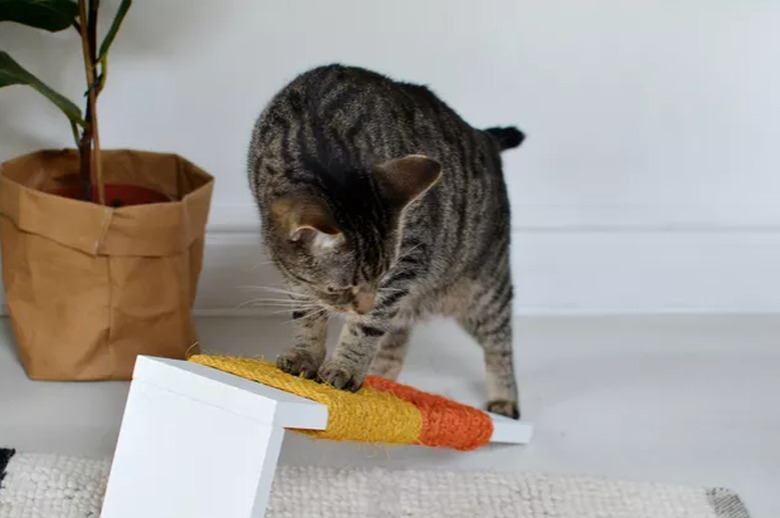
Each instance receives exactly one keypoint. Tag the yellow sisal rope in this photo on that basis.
(366, 416)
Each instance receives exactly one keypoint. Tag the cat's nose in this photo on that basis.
(364, 302)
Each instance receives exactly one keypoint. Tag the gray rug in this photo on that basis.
(49, 486)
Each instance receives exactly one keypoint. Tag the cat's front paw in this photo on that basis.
(340, 376)
(504, 407)
(298, 362)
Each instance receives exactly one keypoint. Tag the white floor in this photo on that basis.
(669, 399)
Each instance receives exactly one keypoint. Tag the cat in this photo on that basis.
(379, 202)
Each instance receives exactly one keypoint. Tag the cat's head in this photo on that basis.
(338, 239)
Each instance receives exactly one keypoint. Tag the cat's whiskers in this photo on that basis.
(291, 300)
(320, 313)
(277, 290)
(281, 303)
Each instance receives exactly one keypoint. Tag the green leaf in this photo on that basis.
(118, 18)
(51, 15)
(12, 73)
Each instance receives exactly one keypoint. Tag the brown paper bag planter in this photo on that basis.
(88, 286)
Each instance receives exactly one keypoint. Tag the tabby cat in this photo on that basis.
(379, 202)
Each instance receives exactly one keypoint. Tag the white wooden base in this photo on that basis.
(197, 442)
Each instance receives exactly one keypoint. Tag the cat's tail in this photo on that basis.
(507, 138)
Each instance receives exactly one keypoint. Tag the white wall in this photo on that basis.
(650, 123)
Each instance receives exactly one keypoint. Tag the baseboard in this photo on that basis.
(560, 271)
(586, 271)
(241, 216)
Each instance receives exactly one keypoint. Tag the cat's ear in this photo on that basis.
(306, 219)
(403, 180)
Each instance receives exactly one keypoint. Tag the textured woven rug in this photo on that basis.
(49, 486)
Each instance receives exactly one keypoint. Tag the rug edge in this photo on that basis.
(726, 503)
(5, 458)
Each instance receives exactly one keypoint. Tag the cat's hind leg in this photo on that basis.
(488, 318)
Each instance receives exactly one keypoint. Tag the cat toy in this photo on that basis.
(383, 411)
(217, 423)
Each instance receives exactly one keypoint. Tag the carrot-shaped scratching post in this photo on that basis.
(383, 411)
(218, 422)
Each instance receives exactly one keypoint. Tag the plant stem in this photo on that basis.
(85, 145)
(95, 90)
(91, 166)
(93, 17)
(75, 129)
(97, 158)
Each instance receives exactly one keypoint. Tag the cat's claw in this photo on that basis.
(298, 362)
(504, 407)
(339, 376)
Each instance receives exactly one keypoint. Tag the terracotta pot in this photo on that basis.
(89, 287)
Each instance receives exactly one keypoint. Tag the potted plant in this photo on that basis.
(101, 250)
